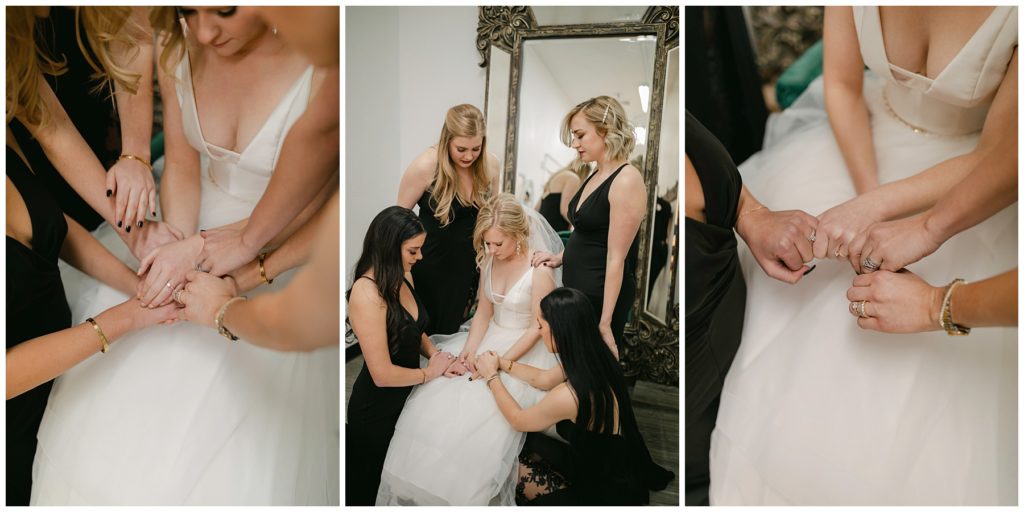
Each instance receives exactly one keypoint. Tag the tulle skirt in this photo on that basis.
(177, 415)
(816, 410)
(452, 446)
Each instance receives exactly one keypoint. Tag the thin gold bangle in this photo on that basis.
(137, 159)
(263, 271)
(510, 363)
(103, 337)
(738, 217)
(489, 379)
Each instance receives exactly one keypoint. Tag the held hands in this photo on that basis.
(150, 236)
(547, 259)
(438, 364)
(203, 295)
(167, 266)
(225, 250)
(895, 302)
(487, 364)
(838, 226)
(780, 241)
(893, 245)
(130, 182)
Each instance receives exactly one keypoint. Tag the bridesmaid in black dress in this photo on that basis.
(560, 188)
(607, 461)
(41, 344)
(600, 257)
(389, 320)
(450, 182)
(715, 290)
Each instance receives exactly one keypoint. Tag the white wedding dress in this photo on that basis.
(814, 409)
(452, 446)
(177, 415)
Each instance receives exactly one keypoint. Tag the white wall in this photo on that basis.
(542, 105)
(404, 67)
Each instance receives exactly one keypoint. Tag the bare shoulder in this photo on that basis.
(424, 165)
(365, 296)
(542, 273)
(628, 183)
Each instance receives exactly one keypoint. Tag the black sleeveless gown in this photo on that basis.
(36, 306)
(584, 260)
(373, 412)
(550, 210)
(715, 300)
(447, 276)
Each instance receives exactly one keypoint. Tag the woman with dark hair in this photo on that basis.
(607, 461)
(389, 320)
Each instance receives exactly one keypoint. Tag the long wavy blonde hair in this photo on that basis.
(461, 121)
(110, 32)
(609, 118)
(504, 212)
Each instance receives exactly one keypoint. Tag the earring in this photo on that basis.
(273, 30)
(519, 247)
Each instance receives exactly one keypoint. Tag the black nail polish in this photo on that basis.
(154, 214)
(128, 229)
(140, 223)
(109, 192)
(810, 269)
(118, 223)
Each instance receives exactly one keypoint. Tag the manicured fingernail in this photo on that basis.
(109, 192)
(118, 223)
(140, 223)
(128, 229)
(810, 269)
(154, 214)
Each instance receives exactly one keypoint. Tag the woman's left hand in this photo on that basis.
(203, 296)
(225, 250)
(893, 245)
(896, 302)
(609, 339)
(166, 267)
(487, 364)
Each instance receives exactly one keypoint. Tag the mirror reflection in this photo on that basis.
(662, 279)
(497, 104)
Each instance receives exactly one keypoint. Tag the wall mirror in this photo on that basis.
(541, 61)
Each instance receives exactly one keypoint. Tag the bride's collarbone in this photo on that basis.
(505, 275)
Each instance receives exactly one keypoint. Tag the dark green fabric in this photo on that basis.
(795, 79)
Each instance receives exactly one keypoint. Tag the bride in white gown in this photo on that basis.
(818, 411)
(179, 415)
(452, 446)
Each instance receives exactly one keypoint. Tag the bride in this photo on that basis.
(451, 445)
(815, 410)
(179, 415)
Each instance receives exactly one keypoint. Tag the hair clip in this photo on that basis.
(605, 112)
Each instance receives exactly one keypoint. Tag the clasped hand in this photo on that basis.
(165, 269)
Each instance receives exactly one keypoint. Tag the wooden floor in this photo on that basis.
(657, 412)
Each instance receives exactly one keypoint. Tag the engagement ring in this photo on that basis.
(869, 265)
(813, 236)
(177, 296)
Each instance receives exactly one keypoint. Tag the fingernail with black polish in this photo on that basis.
(140, 223)
(118, 223)
(109, 192)
(810, 269)
(128, 229)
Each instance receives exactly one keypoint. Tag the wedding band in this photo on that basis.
(813, 236)
(177, 295)
(869, 265)
(860, 309)
(836, 253)
(853, 307)
(199, 268)
(168, 285)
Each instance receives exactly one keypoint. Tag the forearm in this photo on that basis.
(295, 251)
(522, 345)
(179, 196)
(921, 191)
(613, 276)
(988, 303)
(41, 359)
(851, 124)
(523, 372)
(87, 254)
(427, 348)
(990, 187)
(309, 212)
(477, 328)
(506, 402)
(136, 110)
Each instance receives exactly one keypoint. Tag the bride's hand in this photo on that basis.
(839, 225)
(779, 241)
(225, 250)
(438, 363)
(893, 245)
(468, 360)
(166, 267)
(487, 364)
(203, 296)
(547, 259)
(456, 369)
(151, 235)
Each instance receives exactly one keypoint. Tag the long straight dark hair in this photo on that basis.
(382, 251)
(591, 369)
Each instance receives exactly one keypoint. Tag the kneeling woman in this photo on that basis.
(388, 318)
(608, 462)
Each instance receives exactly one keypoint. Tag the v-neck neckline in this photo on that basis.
(199, 125)
(890, 65)
(510, 288)
(580, 202)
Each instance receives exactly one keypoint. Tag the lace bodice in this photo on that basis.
(957, 100)
(243, 175)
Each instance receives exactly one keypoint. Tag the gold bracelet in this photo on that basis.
(510, 363)
(489, 379)
(738, 217)
(103, 337)
(946, 317)
(263, 271)
(218, 320)
(424, 376)
(137, 159)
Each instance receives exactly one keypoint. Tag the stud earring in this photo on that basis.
(273, 30)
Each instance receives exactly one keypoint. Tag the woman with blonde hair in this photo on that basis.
(184, 408)
(559, 190)
(600, 257)
(450, 182)
(456, 416)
